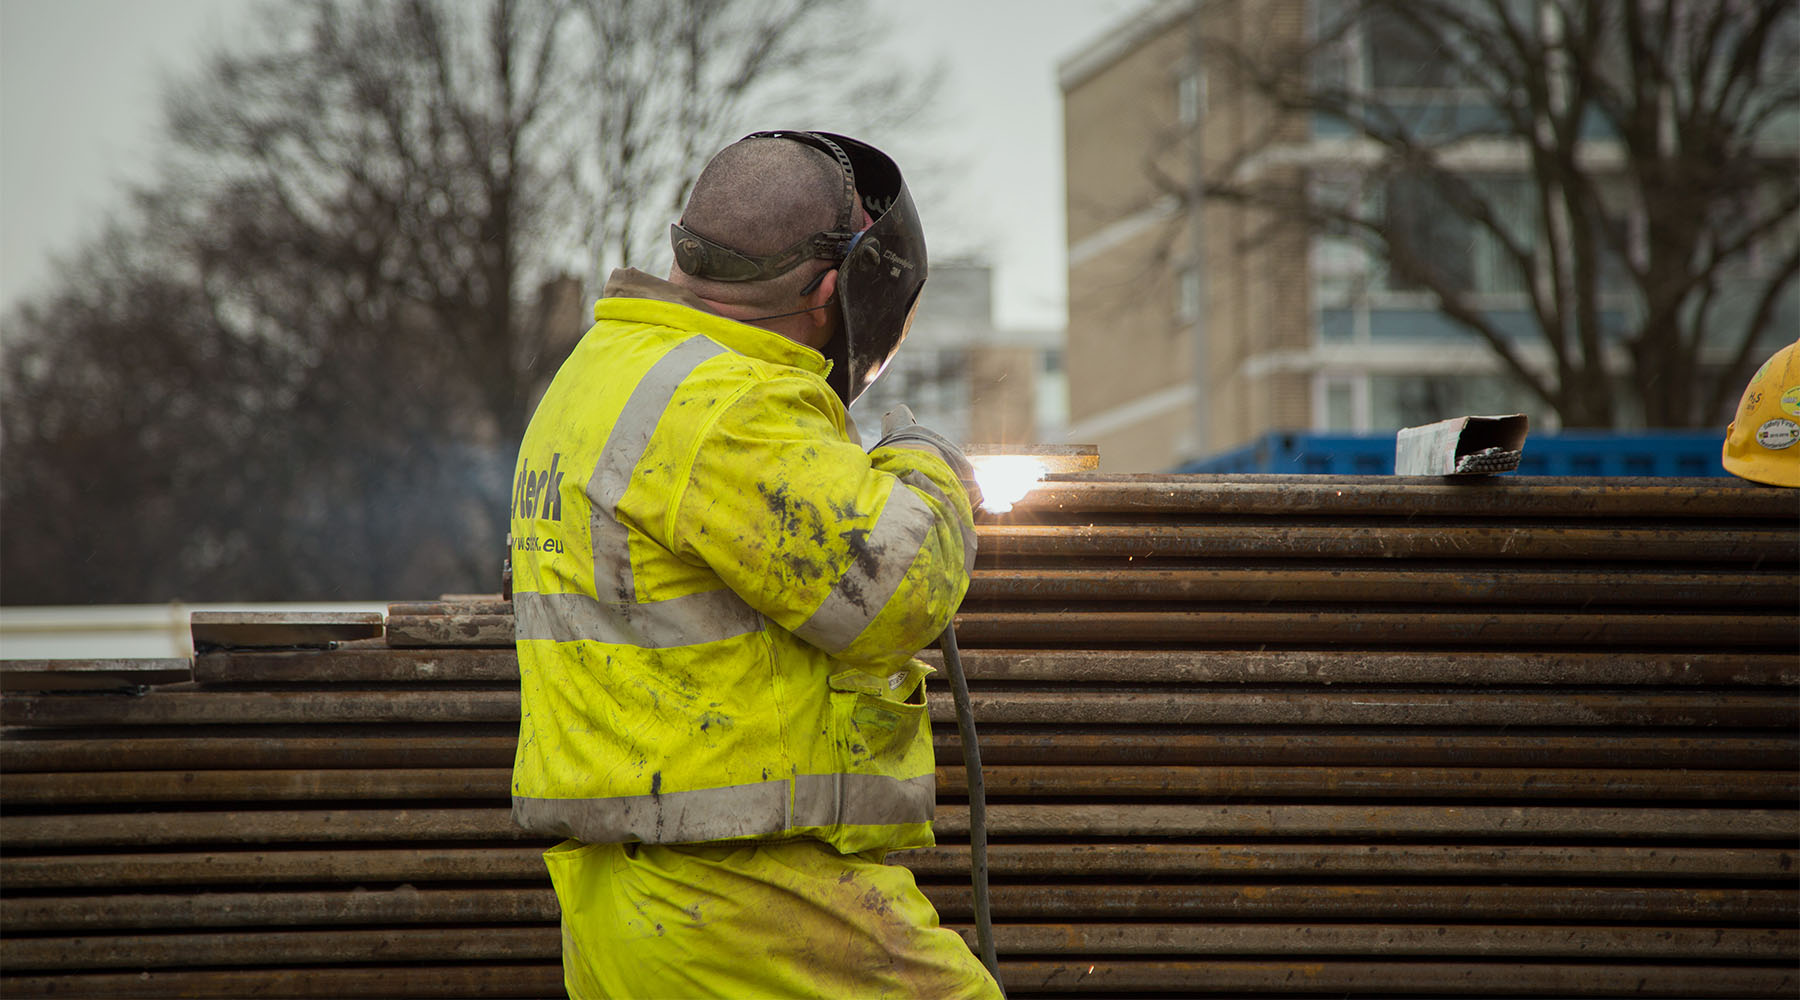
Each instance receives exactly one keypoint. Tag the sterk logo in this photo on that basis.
(538, 494)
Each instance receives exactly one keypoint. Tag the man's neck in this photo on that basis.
(796, 326)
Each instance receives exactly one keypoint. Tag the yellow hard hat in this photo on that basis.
(1763, 441)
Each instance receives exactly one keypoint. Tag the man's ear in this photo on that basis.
(821, 297)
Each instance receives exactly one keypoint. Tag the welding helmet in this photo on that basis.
(880, 269)
(1763, 441)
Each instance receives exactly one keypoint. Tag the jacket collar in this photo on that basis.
(628, 283)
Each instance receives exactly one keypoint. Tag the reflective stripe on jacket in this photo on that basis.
(718, 594)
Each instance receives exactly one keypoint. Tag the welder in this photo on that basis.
(719, 593)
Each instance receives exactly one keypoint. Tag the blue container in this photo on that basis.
(1573, 453)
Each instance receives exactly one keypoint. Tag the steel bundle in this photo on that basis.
(1291, 735)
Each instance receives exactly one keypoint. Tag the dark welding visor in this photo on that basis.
(879, 282)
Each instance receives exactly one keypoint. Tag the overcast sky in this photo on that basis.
(80, 115)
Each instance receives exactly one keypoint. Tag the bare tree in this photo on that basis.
(370, 185)
(1624, 168)
(384, 212)
(646, 131)
(131, 411)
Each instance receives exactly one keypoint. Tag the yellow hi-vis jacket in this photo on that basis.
(718, 593)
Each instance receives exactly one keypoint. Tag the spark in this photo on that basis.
(1005, 479)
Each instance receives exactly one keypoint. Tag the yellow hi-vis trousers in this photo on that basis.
(752, 920)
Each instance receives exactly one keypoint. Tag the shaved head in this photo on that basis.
(760, 196)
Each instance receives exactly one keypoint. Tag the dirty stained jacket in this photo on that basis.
(718, 593)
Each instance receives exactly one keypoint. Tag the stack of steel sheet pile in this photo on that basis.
(1281, 735)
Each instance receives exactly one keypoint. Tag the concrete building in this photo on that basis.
(1196, 330)
(1158, 319)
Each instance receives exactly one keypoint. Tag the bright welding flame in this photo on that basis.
(1005, 479)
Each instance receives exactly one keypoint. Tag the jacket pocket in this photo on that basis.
(878, 718)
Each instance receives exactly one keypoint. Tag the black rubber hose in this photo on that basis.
(978, 874)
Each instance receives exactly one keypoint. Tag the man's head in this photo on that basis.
(761, 196)
(811, 235)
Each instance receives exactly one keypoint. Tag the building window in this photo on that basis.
(1187, 295)
(1397, 401)
(1400, 56)
(1340, 262)
(1493, 269)
(1336, 403)
(1428, 236)
(1190, 93)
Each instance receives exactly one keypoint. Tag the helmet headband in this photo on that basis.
(702, 258)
